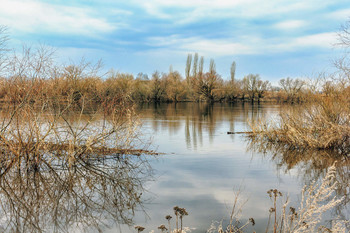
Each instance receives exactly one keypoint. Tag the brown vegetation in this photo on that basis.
(82, 80)
(35, 70)
(66, 142)
(323, 125)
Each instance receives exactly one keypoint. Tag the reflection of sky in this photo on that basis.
(202, 178)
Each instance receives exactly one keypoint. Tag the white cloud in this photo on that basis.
(205, 47)
(321, 40)
(32, 16)
(217, 47)
(290, 24)
(249, 44)
(343, 14)
(121, 12)
(201, 3)
(155, 10)
(226, 8)
(279, 45)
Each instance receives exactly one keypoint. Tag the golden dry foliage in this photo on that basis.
(323, 125)
(67, 149)
(69, 164)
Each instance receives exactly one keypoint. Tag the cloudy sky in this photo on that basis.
(273, 38)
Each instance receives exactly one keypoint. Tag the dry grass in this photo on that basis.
(316, 200)
(323, 125)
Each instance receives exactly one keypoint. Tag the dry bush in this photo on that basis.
(66, 152)
(69, 164)
(141, 92)
(316, 200)
(323, 125)
(47, 187)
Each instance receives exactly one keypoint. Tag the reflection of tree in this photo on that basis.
(199, 118)
(56, 196)
(64, 165)
(311, 166)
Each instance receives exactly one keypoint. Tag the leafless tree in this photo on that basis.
(344, 35)
(188, 68)
(3, 47)
(254, 86)
(195, 65)
(233, 71)
(292, 87)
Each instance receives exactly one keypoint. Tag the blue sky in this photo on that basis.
(273, 38)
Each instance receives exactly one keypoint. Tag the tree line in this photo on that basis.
(34, 71)
(35, 74)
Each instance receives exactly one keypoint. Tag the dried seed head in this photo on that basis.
(252, 221)
(272, 192)
(183, 211)
(139, 228)
(292, 210)
(176, 210)
(162, 227)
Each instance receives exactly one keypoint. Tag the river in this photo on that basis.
(202, 166)
(66, 172)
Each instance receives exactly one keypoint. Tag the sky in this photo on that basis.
(272, 38)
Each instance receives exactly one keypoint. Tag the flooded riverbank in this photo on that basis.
(203, 165)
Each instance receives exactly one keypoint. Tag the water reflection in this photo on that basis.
(311, 167)
(57, 197)
(203, 164)
(200, 118)
(63, 170)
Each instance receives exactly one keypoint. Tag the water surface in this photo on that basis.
(202, 165)
(56, 188)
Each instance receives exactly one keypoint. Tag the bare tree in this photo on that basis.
(201, 64)
(195, 65)
(174, 88)
(254, 86)
(292, 87)
(233, 71)
(3, 38)
(157, 87)
(344, 35)
(212, 66)
(188, 68)
(3, 46)
(206, 85)
(343, 63)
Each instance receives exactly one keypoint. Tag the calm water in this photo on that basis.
(202, 165)
(200, 168)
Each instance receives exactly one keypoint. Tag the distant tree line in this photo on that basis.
(35, 71)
